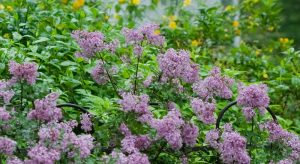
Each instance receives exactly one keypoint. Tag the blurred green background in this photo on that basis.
(290, 25)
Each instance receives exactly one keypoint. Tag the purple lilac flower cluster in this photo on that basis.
(42, 154)
(147, 82)
(138, 105)
(131, 146)
(132, 143)
(112, 46)
(55, 140)
(175, 131)
(86, 123)
(204, 110)
(7, 146)
(120, 158)
(171, 127)
(175, 64)
(251, 97)
(214, 85)
(4, 115)
(45, 109)
(89, 42)
(25, 71)
(277, 134)
(99, 74)
(231, 145)
(5, 92)
(136, 36)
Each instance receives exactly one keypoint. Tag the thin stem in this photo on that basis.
(110, 79)
(136, 74)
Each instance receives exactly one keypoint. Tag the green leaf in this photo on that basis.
(17, 37)
(41, 39)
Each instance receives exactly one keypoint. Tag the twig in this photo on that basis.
(110, 79)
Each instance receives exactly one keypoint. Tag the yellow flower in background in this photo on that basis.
(6, 35)
(135, 2)
(228, 8)
(265, 75)
(283, 40)
(271, 28)
(9, 8)
(1, 7)
(172, 18)
(157, 32)
(237, 32)
(172, 24)
(77, 4)
(257, 52)
(196, 43)
(117, 16)
(187, 2)
(64, 1)
(121, 1)
(235, 23)
(106, 17)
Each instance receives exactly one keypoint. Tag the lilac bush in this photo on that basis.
(156, 109)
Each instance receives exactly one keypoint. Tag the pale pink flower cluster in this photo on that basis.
(175, 64)
(251, 97)
(45, 109)
(25, 71)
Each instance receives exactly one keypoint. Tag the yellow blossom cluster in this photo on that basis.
(77, 4)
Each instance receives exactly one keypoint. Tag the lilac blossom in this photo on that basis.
(204, 110)
(45, 109)
(7, 146)
(153, 38)
(5, 92)
(134, 158)
(169, 128)
(249, 113)
(89, 42)
(26, 71)
(142, 142)
(146, 32)
(214, 85)
(48, 133)
(233, 148)
(147, 82)
(128, 144)
(175, 64)
(251, 97)
(231, 145)
(99, 74)
(184, 159)
(124, 130)
(14, 160)
(138, 105)
(138, 50)
(189, 134)
(277, 134)
(132, 143)
(41, 154)
(86, 123)
(84, 144)
(4, 115)
(212, 137)
(137, 158)
(112, 46)
(132, 36)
